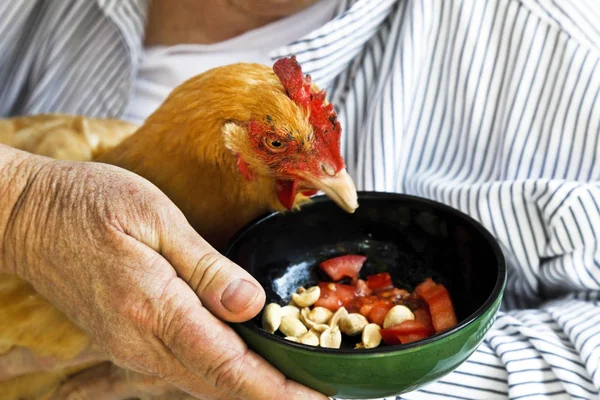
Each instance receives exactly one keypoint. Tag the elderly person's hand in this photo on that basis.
(112, 252)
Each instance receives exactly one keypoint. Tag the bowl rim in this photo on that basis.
(499, 285)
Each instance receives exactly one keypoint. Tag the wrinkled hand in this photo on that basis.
(115, 254)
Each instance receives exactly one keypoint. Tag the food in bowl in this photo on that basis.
(372, 308)
(411, 239)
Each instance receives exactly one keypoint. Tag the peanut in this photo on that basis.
(371, 337)
(310, 338)
(271, 318)
(319, 328)
(291, 326)
(308, 297)
(397, 315)
(305, 318)
(353, 324)
(290, 311)
(337, 316)
(320, 315)
(331, 338)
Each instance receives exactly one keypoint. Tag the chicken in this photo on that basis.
(226, 147)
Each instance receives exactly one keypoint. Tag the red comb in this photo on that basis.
(326, 127)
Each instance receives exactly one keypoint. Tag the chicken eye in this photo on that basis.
(274, 144)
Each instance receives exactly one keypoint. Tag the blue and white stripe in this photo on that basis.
(490, 106)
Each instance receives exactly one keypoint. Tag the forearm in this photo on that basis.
(17, 168)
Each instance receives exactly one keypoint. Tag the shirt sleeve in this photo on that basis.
(75, 57)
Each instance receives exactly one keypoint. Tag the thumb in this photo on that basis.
(225, 289)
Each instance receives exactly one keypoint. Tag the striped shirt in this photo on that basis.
(491, 107)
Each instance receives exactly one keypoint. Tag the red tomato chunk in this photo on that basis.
(379, 311)
(442, 312)
(335, 295)
(407, 332)
(380, 281)
(422, 315)
(347, 266)
(374, 297)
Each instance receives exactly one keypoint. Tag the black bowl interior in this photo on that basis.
(409, 237)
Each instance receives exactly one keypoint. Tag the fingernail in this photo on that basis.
(239, 295)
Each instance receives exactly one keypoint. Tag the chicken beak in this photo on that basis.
(340, 188)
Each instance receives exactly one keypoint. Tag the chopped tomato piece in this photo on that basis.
(406, 332)
(362, 289)
(389, 337)
(424, 286)
(343, 266)
(361, 301)
(365, 310)
(331, 302)
(371, 299)
(408, 327)
(422, 315)
(379, 311)
(412, 337)
(380, 281)
(440, 307)
(335, 295)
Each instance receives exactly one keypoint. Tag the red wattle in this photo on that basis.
(286, 192)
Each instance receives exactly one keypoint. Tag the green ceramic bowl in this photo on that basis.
(409, 237)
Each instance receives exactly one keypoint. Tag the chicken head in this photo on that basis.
(295, 139)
